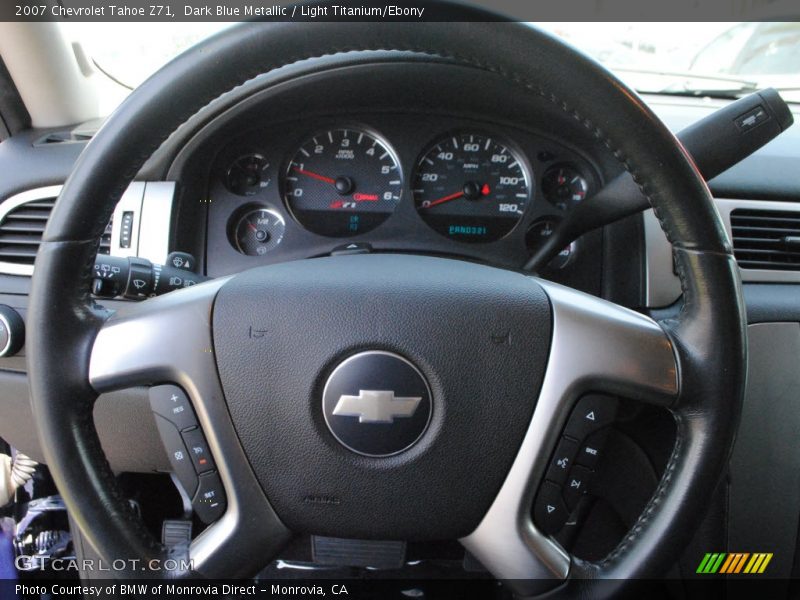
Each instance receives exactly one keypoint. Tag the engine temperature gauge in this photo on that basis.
(258, 231)
(564, 186)
(248, 175)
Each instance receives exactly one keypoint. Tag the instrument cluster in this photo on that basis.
(470, 185)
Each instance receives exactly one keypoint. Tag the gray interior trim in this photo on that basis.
(596, 346)
(662, 286)
(48, 75)
(156, 223)
(764, 492)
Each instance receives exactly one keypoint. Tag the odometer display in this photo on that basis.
(342, 183)
(471, 188)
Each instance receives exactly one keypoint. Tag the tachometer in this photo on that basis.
(471, 187)
(342, 182)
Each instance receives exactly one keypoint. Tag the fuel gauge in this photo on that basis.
(258, 231)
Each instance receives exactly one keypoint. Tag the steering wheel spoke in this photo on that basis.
(168, 340)
(597, 346)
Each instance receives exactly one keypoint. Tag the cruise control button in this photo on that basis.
(562, 460)
(592, 412)
(549, 511)
(178, 455)
(171, 402)
(209, 503)
(198, 450)
(591, 449)
(577, 485)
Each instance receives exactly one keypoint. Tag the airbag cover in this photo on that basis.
(480, 337)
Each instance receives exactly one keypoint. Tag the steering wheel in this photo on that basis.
(498, 358)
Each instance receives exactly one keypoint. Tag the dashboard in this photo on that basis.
(391, 153)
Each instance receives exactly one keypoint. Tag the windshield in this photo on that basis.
(702, 59)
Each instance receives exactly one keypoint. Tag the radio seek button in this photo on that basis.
(549, 510)
(592, 412)
(576, 486)
(171, 402)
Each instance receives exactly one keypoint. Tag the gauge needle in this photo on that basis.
(484, 192)
(444, 199)
(253, 227)
(313, 175)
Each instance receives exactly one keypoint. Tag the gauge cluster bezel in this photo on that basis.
(408, 101)
(408, 137)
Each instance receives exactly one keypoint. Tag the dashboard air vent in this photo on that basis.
(21, 231)
(766, 239)
(22, 223)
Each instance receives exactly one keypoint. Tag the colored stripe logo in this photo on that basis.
(734, 563)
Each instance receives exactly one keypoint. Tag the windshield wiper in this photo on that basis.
(695, 84)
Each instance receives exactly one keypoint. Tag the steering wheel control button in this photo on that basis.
(592, 412)
(12, 331)
(377, 404)
(209, 502)
(577, 485)
(562, 460)
(178, 455)
(198, 450)
(549, 511)
(171, 402)
(591, 449)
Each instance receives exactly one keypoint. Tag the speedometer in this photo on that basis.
(342, 182)
(471, 188)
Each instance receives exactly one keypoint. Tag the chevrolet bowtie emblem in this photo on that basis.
(376, 406)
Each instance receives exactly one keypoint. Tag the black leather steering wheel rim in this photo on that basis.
(708, 335)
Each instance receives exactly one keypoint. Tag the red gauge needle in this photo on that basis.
(485, 191)
(253, 227)
(444, 199)
(313, 175)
